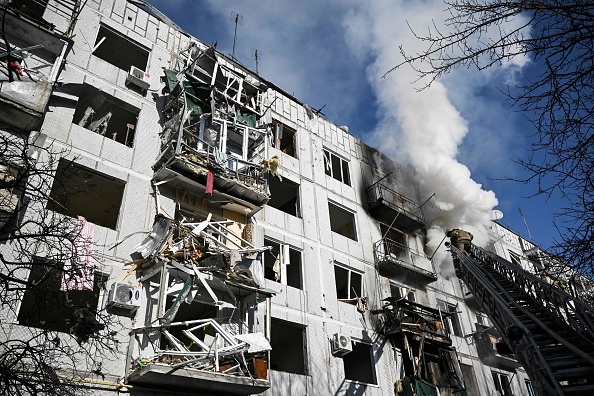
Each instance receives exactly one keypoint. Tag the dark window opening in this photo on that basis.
(284, 196)
(530, 387)
(359, 364)
(394, 242)
(119, 50)
(337, 167)
(288, 344)
(342, 222)
(288, 269)
(106, 115)
(284, 138)
(80, 191)
(470, 383)
(402, 292)
(46, 307)
(502, 384)
(452, 323)
(349, 284)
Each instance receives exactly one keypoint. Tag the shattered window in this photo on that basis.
(119, 50)
(349, 284)
(282, 264)
(452, 322)
(342, 221)
(337, 167)
(108, 116)
(47, 307)
(359, 364)
(402, 292)
(289, 352)
(285, 138)
(80, 191)
(515, 258)
(284, 196)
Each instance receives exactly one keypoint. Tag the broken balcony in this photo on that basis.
(394, 258)
(393, 208)
(207, 320)
(31, 59)
(211, 142)
(493, 350)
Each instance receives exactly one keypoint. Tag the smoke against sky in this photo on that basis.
(334, 54)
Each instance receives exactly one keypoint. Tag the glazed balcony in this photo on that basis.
(493, 350)
(390, 207)
(395, 259)
(36, 55)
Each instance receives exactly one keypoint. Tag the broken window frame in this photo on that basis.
(283, 250)
(500, 387)
(352, 295)
(453, 323)
(279, 129)
(356, 356)
(123, 40)
(332, 206)
(332, 161)
(402, 292)
(530, 388)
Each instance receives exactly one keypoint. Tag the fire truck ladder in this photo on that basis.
(550, 332)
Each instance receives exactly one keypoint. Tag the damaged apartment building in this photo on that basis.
(245, 243)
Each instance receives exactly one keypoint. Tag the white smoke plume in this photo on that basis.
(423, 128)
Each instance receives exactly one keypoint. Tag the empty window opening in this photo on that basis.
(120, 51)
(452, 323)
(289, 353)
(106, 115)
(284, 196)
(359, 364)
(284, 138)
(470, 383)
(80, 191)
(502, 384)
(283, 264)
(47, 307)
(349, 284)
(337, 167)
(342, 221)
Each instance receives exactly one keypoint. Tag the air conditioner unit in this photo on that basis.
(122, 295)
(341, 344)
(138, 77)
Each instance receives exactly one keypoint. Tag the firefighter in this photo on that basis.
(461, 239)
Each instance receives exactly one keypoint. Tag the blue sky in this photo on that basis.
(335, 53)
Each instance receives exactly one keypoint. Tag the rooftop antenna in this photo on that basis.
(526, 224)
(256, 54)
(237, 22)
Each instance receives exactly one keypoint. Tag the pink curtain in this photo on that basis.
(79, 273)
(209, 182)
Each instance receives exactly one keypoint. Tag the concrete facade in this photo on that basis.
(314, 307)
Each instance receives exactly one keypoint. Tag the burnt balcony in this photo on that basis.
(393, 208)
(29, 68)
(492, 349)
(394, 258)
(403, 317)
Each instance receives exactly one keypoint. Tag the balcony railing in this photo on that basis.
(393, 257)
(389, 206)
(492, 349)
